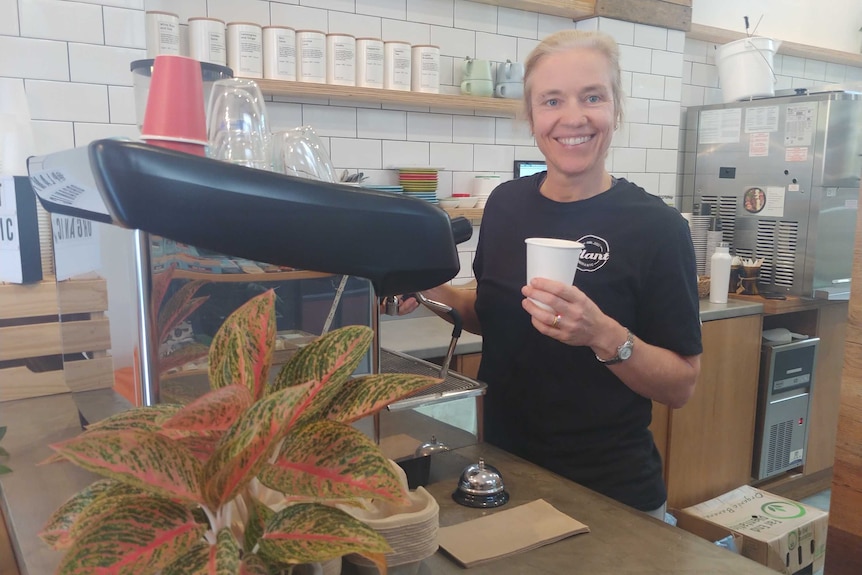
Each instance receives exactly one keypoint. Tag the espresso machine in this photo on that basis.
(344, 233)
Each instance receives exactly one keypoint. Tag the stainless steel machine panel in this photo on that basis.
(783, 406)
(783, 174)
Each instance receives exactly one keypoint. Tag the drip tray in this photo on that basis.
(455, 386)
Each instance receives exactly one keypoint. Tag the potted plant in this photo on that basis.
(241, 479)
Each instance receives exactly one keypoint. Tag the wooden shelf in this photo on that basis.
(497, 106)
(722, 36)
(469, 213)
(574, 9)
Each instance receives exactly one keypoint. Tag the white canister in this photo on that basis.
(369, 62)
(207, 40)
(279, 53)
(162, 33)
(396, 65)
(341, 59)
(311, 56)
(245, 49)
(425, 68)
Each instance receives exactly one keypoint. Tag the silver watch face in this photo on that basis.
(625, 352)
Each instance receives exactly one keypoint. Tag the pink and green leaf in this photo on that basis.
(213, 411)
(258, 516)
(241, 351)
(57, 530)
(219, 559)
(202, 447)
(332, 460)
(146, 418)
(254, 565)
(249, 442)
(180, 306)
(161, 281)
(143, 459)
(306, 533)
(366, 395)
(142, 536)
(330, 359)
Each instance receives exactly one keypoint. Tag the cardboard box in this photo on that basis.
(780, 533)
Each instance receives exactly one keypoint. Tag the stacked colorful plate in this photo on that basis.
(381, 188)
(419, 183)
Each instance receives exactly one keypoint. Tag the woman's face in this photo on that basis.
(573, 116)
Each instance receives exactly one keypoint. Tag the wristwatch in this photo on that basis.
(624, 351)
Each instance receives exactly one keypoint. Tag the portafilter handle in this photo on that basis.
(462, 229)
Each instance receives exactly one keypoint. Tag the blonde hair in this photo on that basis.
(567, 40)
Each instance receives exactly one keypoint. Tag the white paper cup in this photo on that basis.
(554, 259)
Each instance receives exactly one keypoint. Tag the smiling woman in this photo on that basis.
(570, 379)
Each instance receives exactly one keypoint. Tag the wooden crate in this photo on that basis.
(34, 339)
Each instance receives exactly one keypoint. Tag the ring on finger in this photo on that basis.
(557, 319)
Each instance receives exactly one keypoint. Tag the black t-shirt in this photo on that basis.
(555, 404)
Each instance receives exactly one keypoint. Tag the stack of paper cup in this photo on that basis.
(483, 185)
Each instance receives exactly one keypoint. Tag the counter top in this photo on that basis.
(621, 540)
(427, 337)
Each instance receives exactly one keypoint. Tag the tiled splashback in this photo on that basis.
(74, 59)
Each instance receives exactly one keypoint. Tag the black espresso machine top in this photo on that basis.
(400, 244)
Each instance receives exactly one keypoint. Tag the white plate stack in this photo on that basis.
(699, 226)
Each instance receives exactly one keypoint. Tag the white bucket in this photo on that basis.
(745, 68)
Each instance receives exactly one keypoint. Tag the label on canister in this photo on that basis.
(279, 53)
(311, 56)
(245, 49)
(162, 34)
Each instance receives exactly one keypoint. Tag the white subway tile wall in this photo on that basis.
(78, 82)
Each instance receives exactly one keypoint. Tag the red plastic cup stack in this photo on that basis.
(175, 116)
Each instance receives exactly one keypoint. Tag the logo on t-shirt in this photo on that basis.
(596, 253)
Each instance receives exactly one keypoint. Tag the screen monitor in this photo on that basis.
(529, 167)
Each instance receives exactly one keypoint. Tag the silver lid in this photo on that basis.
(431, 447)
(480, 479)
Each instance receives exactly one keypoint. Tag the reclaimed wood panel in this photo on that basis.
(844, 538)
(28, 300)
(21, 383)
(89, 374)
(574, 9)
(673, 15)
(82, 296)
(34, 340)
